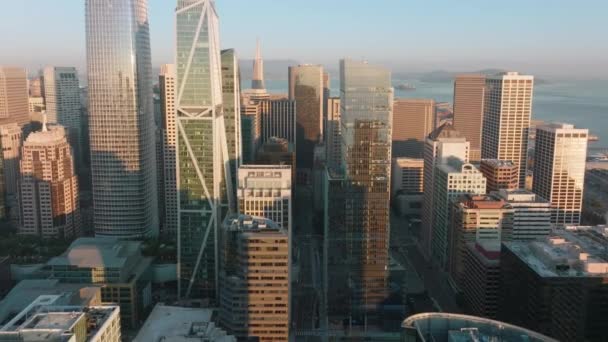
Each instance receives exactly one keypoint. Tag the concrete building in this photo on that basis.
(407, 175)
(167, 84)
(178, 324)
(48, 186)
(14, 105)
(448, 327)
(255, 277)
(332, 133)
(306, 87)
(475, 218)
(413, 121)
(36, 105)
(469, 94)
(121, 119)
(42, 322)
(480, 282)
(500, 174)
(531, 216)
(11, 136)
(452, 180)
(559, 170)
(359, 218)
(204, 185)
(441, 146)
(266, 191)
(62, 100)
(558, 286)
(506, 123)
(117, 266)
(251, 129)
(278, 120)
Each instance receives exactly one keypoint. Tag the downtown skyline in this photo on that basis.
(404, 37)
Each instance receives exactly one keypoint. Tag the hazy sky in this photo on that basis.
(546, 37)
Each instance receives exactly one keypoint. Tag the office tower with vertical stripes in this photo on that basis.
(506, 122)
(204, 182)
(469, 94)
(121, 119)
(167, 87)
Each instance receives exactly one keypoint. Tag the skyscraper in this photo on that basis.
(413, 121)
(452, 180)
(360, 252)
(255, 277)
(559, 170)
(306, 87)
(507, 113)
(257, 83)
(167, 85)
(231, 90)
(48, 188)
(121, 119)
(442, 145)
(11, 136)
(14, 105)
(278, 120)
(62, 97)
(251, 129)
(469, 93)
(204, 182)
(332, 130)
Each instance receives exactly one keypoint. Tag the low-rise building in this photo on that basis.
(177, 324)
(42, 321)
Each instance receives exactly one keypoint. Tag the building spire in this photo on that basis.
(258, 69)
(44, 128)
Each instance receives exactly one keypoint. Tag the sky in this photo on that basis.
(545, 37)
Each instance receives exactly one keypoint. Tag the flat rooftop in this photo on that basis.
(177, 324)
(498, 162)
(98, 253)
(248, 223)
(572, 252)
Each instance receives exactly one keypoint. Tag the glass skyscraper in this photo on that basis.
(204, 184)
(121, 122)
(359, 239)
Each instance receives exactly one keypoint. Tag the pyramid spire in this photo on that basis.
(258, 69)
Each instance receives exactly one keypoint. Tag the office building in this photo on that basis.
(14, 105)
(251, 129)
(559, 170)
(442, 145)
(173, 323)
(306, 87)
(451, 181)
(449, 327)
(121, 119)
(3, 209)
(205, 184)
(407, 175)
(10, 140)
(332, 133)
(48, 187)
(36, 105)
(167, 87)
(255, 276)
(469, 94)
(480, 281)
(278, 151)
(36, 87)
(413, 121)
(257, 81)
(501, 174)
(506, 123)
(231, 102)
(117, 266)
(531, 215)
(558, 286)
(475, 219)
(41, 322)
(278, 120)
(62, 99)
(359, 217)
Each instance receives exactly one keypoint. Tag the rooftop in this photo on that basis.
(574, 252)
(53, 134)
(446, 131)
(177, 324)
(498, 163)
(519, 196)
(98, 253)
(444, 327)
(248, 223)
